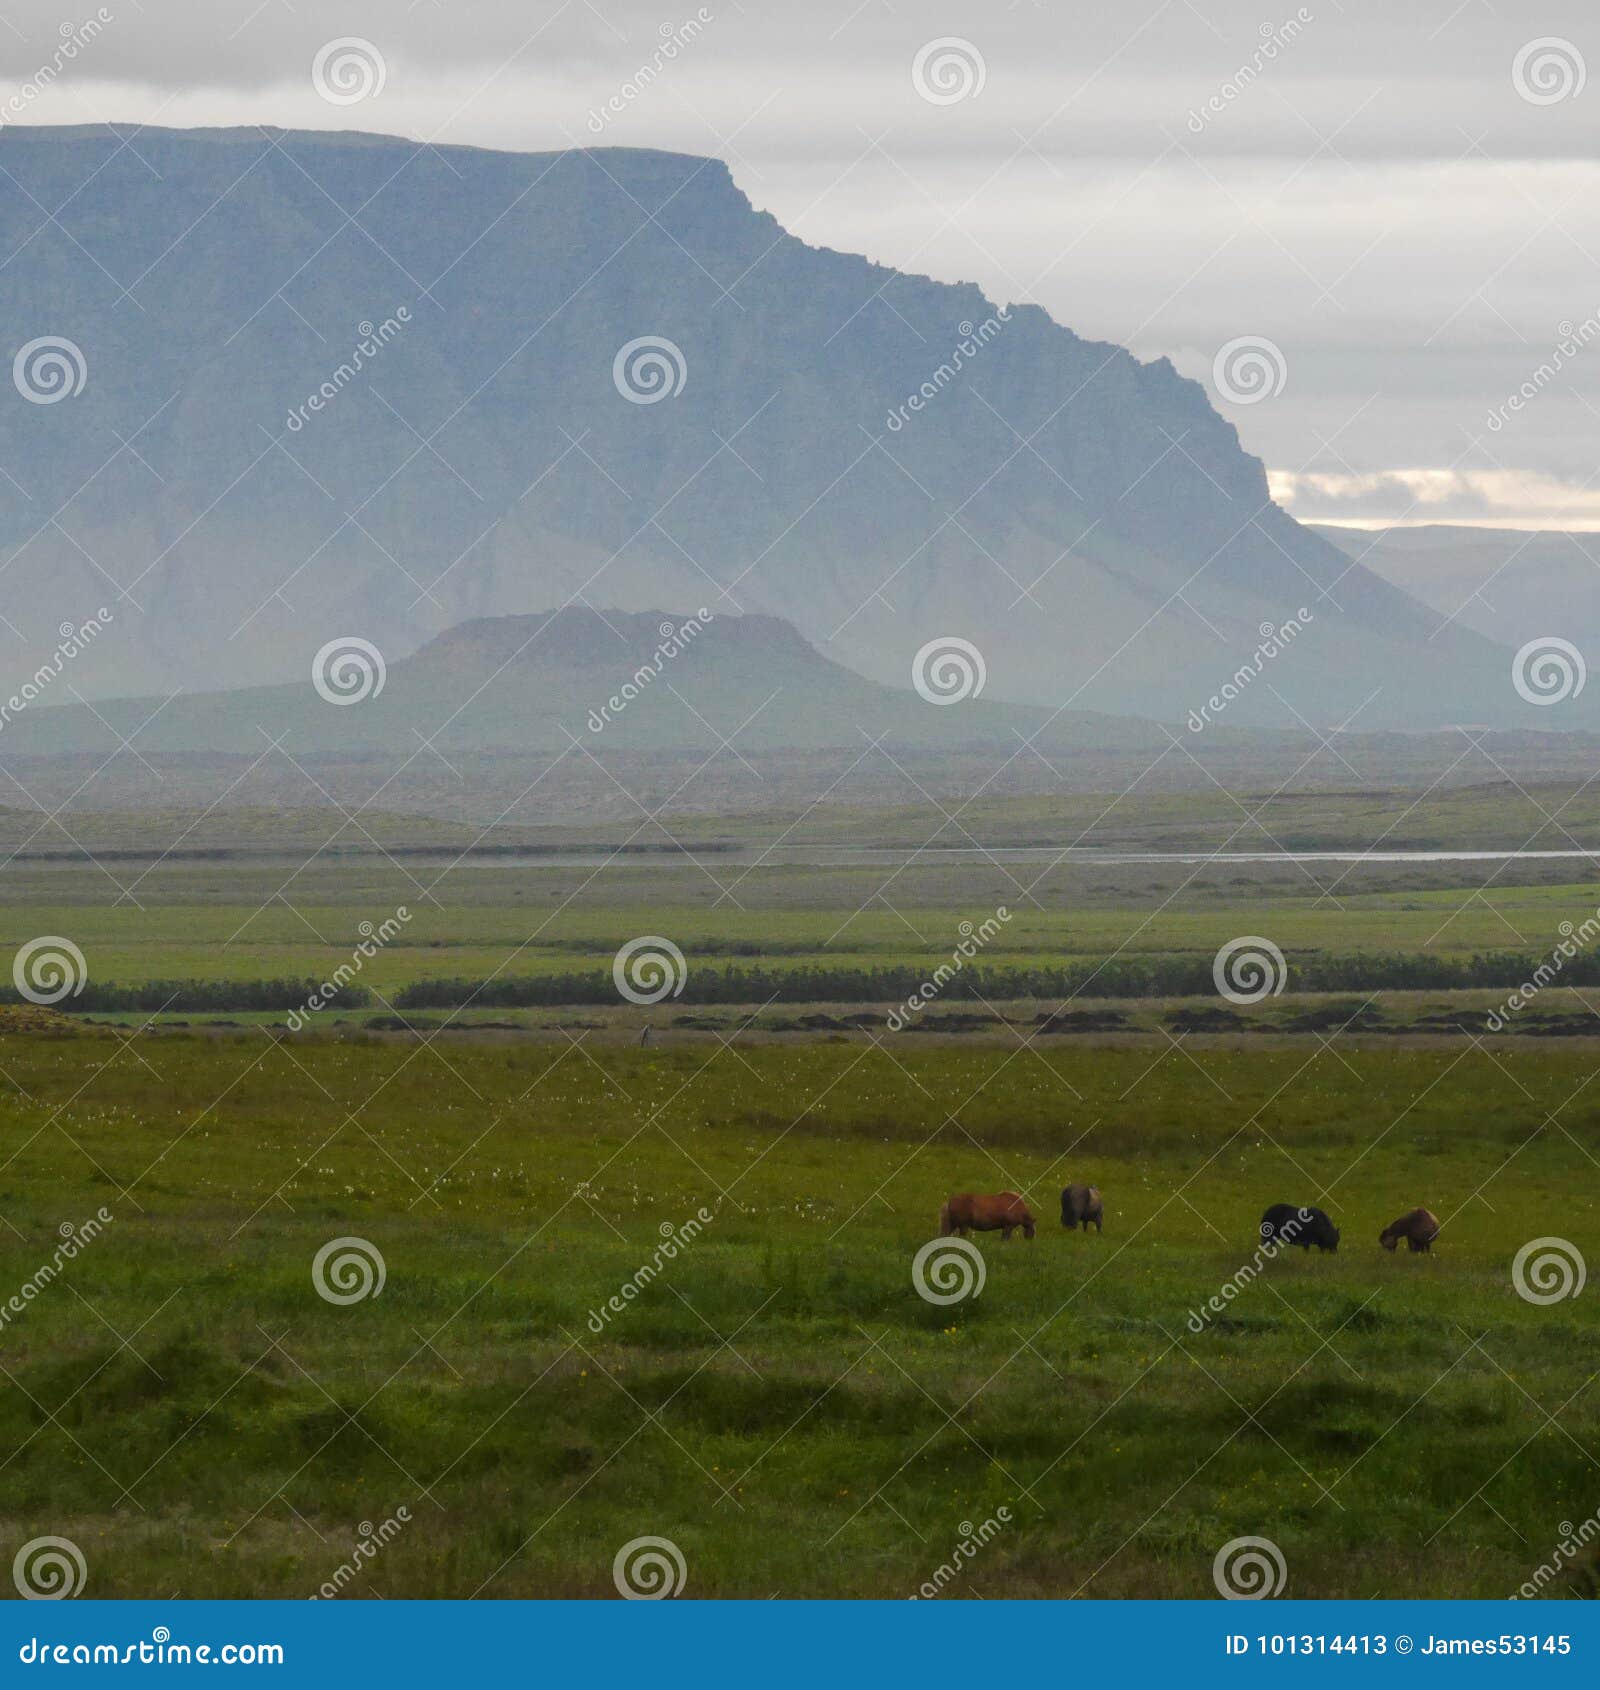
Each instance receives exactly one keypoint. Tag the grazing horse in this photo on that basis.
(1002, 1211)
(1419, 1228)
(1304, 1226)
(1081, 1204)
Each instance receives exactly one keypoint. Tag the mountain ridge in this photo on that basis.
(1509, 584)
(1087, 520)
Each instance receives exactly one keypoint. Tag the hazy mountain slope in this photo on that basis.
(511, 720)
(578, 679)
(1089, 521)
(1508, 584)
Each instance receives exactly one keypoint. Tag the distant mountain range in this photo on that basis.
(1508, 584)
(588, 715)
(330, 385)
(584, 716)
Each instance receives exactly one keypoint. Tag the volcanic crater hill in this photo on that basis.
(606, 679)
(1089, 521)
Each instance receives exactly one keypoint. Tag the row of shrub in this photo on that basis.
(191, 996)
(1122, 977)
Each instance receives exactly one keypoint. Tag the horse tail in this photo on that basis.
(945, 1228)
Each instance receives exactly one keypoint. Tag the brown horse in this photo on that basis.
(1080, 1204)
(1002, 1211)
(1419, 1228)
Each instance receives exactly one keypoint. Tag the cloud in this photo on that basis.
(1409, 497)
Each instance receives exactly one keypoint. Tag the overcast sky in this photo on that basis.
(1402, 196)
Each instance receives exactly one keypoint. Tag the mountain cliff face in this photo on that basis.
(344, 385)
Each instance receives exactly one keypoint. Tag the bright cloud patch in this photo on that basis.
(1487, 498)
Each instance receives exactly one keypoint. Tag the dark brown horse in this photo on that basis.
(1080, 1205)
(1419, 1228)
(1000, 1211)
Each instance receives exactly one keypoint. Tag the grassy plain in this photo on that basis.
(181, 1403)
(780, 1402)
(284, 917)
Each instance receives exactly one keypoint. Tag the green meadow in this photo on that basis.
(777, 1400)
(245, 922)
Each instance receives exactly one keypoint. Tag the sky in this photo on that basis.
(1370, 227)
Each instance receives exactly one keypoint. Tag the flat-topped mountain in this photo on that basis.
(607, 680)
(583, 715)
(286, 387)
(577, 638)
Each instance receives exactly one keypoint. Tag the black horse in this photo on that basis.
(1302, 1226)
